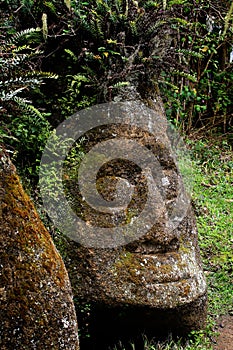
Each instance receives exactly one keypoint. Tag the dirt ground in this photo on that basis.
(225, 338)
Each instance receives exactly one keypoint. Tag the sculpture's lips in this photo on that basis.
(160, 280)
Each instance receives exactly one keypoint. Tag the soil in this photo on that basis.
(225, 330)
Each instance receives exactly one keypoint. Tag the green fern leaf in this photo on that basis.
(185, 75)
(19, 35)
(72, 55)
(27, 107)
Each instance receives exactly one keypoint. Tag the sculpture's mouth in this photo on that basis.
(159, 280)
(152, 247)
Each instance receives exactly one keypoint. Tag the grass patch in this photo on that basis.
(196, 341)
(213, 203)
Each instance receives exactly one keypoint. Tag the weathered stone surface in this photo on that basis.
(155, 281)
(37, 310)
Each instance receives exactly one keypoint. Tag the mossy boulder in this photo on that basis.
(37, 310)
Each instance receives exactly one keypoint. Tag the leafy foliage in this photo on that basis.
(17, 73)
(202, 99)
(23, 127)
(183, 45)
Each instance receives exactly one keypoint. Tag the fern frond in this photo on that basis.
(27, 3)
(30, 78)
(42, 75)
(12, 61)
(81, 77)
(15, 59)
(119, 6)
(176, 2)
(21, 48)
(185, 75)
(51, 6)
(153, 28)
(93, 25)
(190, 53)
(24, 105)
(19, 35)
(103, 7)
(151, 4)
(133, 27)
(120, 84)
(9, 96)
(16, 81)
(72, 55)
(96, 25)
(181, 21)
(175, 87)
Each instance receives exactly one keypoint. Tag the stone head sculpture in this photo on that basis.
(131, 218)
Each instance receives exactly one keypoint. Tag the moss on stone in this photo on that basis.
(36, 301)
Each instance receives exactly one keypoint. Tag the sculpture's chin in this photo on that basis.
(149, 293)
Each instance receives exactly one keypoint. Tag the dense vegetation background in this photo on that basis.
(57, 57)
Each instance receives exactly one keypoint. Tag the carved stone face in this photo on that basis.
(160, 268)
(155, 263)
